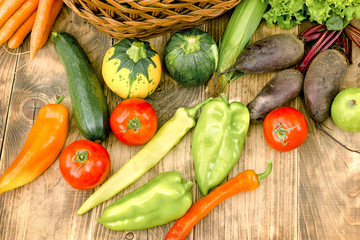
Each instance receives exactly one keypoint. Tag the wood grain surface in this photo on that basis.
(312, 193)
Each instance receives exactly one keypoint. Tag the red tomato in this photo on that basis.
(285, 129)
(134, 121)
(84, 164)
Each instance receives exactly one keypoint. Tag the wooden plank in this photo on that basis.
(329, 177)
(7, 72)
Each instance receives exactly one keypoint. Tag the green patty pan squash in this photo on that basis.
(132, 68)
(191, 57)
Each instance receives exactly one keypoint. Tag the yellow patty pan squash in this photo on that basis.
(132, 68)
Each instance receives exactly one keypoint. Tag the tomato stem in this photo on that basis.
(133, 124)
(81, 157)
(281, 132)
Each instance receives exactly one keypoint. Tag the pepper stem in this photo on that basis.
(223, 97)
(188, 185)
(192, 111)
(59, 100)
(263, 175)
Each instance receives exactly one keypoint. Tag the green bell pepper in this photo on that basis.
(218, 140)
(162, 200)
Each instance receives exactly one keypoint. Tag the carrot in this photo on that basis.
(40, 25)
(54, 13)
(17, 19)
(16, 40)
(7, 8)
(18, 37)
(245, 181)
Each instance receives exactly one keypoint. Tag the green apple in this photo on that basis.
(345, 110)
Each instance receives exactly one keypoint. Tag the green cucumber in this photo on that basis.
(89, 105)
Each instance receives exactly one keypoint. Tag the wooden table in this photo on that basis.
(312, 193)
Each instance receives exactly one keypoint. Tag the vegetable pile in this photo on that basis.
(132, 69)
(163, 141)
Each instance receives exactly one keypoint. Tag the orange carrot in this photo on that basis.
(40, 25)
(54, 13)
(7, 8)
(17, 19)
(16, 40)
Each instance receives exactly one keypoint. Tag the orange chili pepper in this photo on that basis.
(245, 181)
(42, 146)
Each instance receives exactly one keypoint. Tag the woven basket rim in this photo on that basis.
(130, 18)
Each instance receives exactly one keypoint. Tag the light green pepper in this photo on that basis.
(163, 199)
(218, 140)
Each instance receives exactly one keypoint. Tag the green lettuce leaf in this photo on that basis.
(285, 13)
(289, 13)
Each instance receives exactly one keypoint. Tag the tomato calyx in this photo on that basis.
(133, 124)
(281, 132)
(81, 157)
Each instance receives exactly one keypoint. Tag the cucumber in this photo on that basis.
(89, 105)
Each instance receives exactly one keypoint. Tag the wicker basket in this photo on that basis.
(147, 18)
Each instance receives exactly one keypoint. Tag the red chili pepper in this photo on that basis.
(42, 146)
(245, 181)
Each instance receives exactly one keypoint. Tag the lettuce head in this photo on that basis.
(335, 13)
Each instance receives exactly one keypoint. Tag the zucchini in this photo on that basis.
(89, 105)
